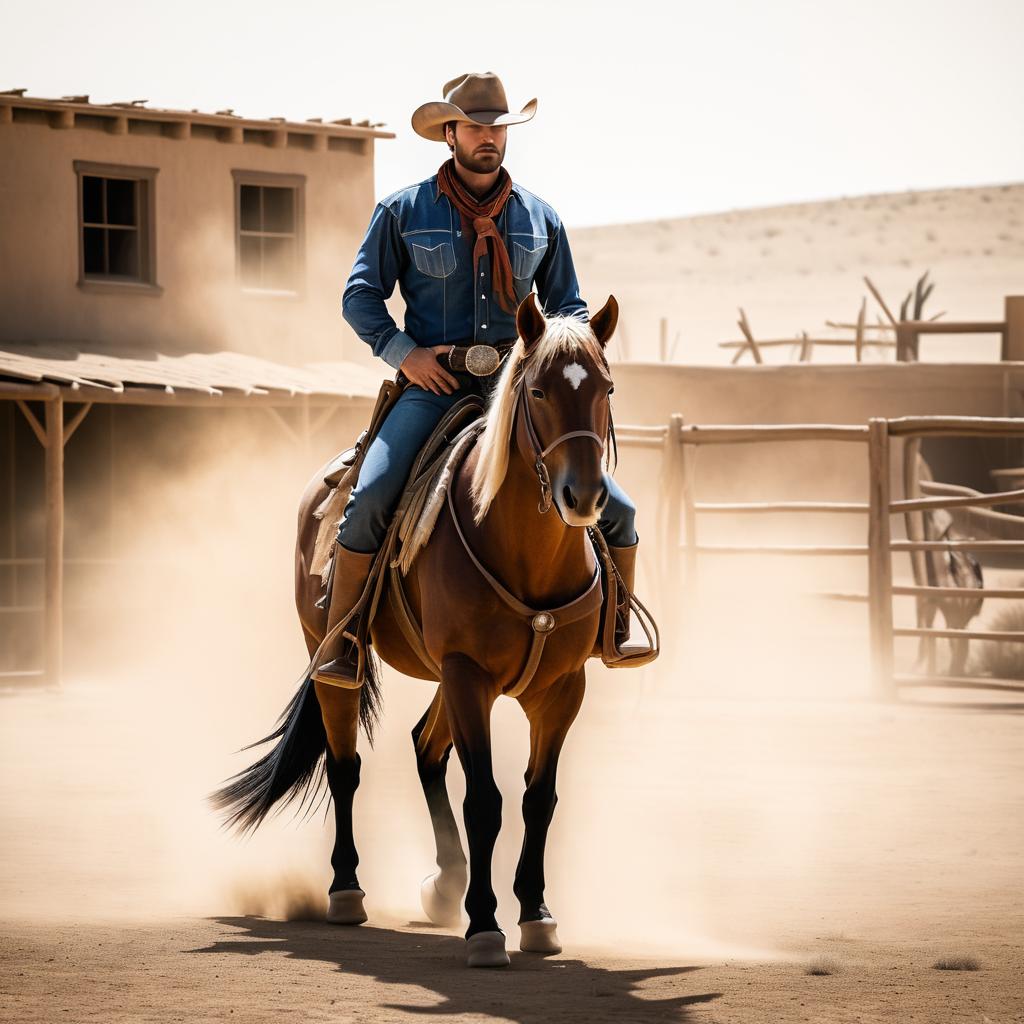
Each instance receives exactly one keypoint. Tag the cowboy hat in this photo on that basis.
(476, 98)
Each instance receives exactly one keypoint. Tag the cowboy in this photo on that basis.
(465, 246)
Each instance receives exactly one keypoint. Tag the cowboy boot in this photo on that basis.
(349, 575)
(624, 560)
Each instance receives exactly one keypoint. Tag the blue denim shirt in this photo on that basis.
(415, 239)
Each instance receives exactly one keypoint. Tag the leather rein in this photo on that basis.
(543, 621)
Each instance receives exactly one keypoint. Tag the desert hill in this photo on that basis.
(792, 267)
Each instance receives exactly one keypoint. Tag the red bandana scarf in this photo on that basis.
(478, 219)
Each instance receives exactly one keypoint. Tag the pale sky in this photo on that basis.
(646, 109)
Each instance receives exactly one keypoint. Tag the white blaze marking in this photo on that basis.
(575, 375)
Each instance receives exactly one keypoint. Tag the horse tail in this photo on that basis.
(369, 695)
(292, 769)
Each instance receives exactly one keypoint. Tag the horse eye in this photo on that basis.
(536, 392)
(611, 390)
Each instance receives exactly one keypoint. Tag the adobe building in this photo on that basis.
(178, 230)
(155, 264)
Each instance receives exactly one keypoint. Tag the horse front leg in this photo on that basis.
(551, 714)
(340, 710)
(469, 694)
(441, 893)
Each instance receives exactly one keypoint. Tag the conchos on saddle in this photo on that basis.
(474, 536)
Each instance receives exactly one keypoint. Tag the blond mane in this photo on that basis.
(563, 335)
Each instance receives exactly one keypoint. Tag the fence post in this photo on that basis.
(688, 464)
(880, 560)
(1013, 329)
(914, 523)
(906, 342)
(673, 481)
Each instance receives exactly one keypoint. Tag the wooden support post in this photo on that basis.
(906, 342)
(672, 461)
(806, 347)
(878, 298)
(76, 421)
(744, 326)
(859, 338)
(283, 424)
(914, 525)
(1013, 329)
(53, 633)
(880, 560)
(689, 483)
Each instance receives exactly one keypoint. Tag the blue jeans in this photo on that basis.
(389, 461)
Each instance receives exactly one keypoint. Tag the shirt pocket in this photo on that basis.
(526, 257)
(434, 261)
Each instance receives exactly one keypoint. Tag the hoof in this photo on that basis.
(442, 910)
(487, 949)
(539, 936)
(346, 907)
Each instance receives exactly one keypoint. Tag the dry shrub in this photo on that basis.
(1003, 660)
(823, 965)
(958, 962)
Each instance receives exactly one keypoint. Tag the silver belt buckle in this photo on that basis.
(482, 360)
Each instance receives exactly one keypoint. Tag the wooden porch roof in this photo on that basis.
(153, 378)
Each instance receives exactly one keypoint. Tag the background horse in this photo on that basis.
(509, 599)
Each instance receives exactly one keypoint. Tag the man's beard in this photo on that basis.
(479, 162)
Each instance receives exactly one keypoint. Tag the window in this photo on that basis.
(115, 224)
(269, 209)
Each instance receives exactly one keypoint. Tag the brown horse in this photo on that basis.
(509, 600)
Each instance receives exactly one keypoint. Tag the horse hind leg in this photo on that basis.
(340, 710)
(441, 892)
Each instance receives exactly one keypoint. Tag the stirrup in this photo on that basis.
(344, 670)
(637, 653)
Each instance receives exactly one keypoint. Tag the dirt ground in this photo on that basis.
(697, 869)
(727, 816)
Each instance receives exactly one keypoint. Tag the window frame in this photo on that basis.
(145, 208)
(295, 182)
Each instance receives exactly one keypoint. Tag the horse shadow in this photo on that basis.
(533, 990)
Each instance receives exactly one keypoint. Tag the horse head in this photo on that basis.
(551, 406)
(564, 412)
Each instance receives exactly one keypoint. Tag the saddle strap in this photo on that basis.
(411, 630)
(542, 621)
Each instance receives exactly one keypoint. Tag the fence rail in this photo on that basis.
(681, 443)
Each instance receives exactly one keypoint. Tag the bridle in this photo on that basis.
(539, 452)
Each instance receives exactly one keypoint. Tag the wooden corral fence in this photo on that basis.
(681, 514)
(902, 333)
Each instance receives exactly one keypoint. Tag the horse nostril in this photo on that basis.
(567, 497)
(602, 498)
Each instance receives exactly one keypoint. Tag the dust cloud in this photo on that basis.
(741, 797)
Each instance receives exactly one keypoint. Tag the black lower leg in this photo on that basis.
(482, 810)
(433, 773)
(343, 780)
(538, 808)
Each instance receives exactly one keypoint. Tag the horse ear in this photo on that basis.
(603, 322)
(530, 322)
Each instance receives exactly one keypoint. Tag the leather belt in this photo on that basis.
(478, 360)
